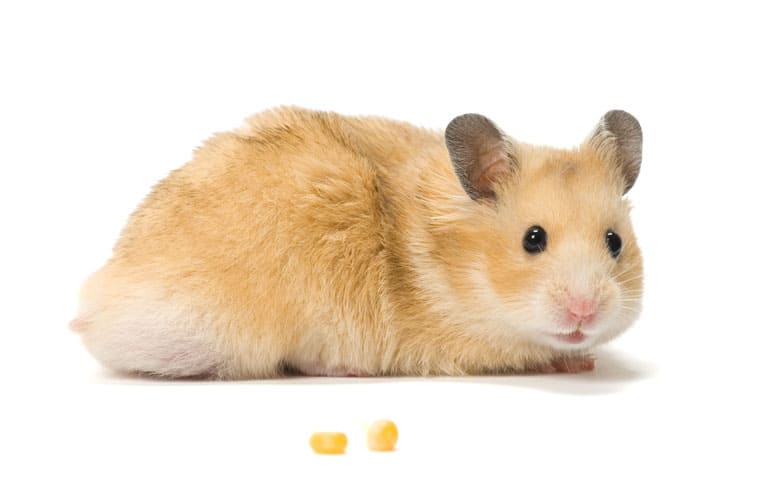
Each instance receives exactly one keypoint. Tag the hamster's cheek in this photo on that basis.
(510, 276)
(629, 285)
(618, 314)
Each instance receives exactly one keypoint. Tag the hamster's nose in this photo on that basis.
(581, 310)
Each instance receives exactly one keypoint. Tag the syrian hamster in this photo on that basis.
(316, 243)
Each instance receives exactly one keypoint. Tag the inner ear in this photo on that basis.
(619, 139)
(480, 153)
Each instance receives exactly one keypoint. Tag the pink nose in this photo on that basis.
(580, 309)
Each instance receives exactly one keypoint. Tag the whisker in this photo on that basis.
(633, 278)
(626, 271)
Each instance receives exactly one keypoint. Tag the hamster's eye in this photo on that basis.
(614, 243)
(535, 239)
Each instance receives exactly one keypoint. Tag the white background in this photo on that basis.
(100, 101)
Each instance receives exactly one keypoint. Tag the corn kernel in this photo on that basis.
(382, 436)
(328, 443)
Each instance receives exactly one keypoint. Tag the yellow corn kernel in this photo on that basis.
(328, 443)
(382, 436)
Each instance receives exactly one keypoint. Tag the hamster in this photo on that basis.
(315, 243)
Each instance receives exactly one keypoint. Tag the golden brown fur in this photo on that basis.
(333, 244)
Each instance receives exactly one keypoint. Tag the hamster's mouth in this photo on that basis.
(575, 337)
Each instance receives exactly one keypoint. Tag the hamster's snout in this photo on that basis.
(580, 310)
(577, 314)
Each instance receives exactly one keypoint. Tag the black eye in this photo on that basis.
(535, 239)
(614, 243)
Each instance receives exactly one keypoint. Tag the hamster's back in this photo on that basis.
(266, 249)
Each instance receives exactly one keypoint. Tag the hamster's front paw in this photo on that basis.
(569, 364)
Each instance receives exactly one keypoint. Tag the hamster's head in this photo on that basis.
(556, 257)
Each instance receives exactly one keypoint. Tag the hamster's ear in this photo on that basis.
(480, 153)
(618, 139)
